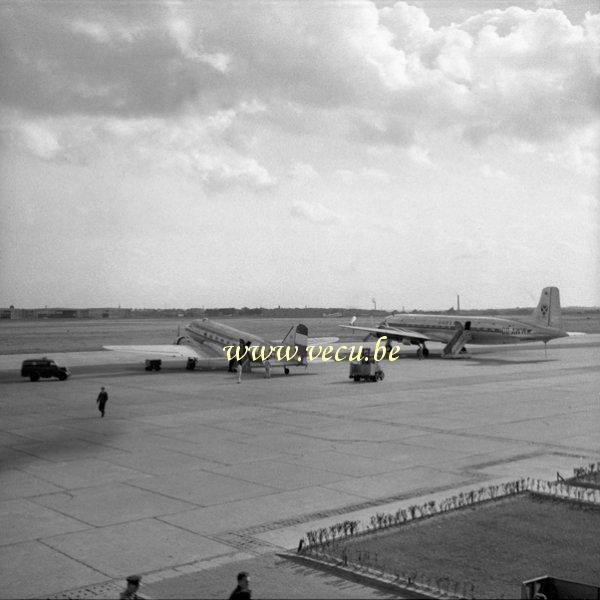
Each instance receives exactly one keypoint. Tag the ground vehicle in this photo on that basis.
(34, 368)
(366, 368)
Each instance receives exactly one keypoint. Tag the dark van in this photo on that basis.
(34, 368)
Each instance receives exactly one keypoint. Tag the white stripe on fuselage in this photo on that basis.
(484, 330)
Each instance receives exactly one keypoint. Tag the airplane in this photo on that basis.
(205, 342)
(545, 324)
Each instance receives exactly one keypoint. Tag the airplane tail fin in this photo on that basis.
(547, 312)
(297, 336)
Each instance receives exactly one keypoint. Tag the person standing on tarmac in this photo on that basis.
(232, 362)
(101, 400)
(242, 591)
(131, 591)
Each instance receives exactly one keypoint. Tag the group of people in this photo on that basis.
(238, 366)
(241, 592)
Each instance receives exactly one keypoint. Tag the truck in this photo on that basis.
(366, 368)
(34, 368)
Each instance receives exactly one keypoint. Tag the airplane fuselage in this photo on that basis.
(484, 330)
(213, 334)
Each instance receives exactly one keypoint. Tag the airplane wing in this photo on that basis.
(312, 341)
(391, 333)
(167, 350)
(322, 341)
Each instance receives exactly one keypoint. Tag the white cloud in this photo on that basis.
(40, 140)
(314, 212)
(374, 175)
(345, 176)
(368, 175)
(96, 31)
(419, 155)
(191, 145)
(529, 75)
(191, 48)
(303, 172)
(579, 153)
(549, 3)
(493, 173)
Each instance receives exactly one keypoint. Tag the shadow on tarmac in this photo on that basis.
(485, 362)
(58, 443)
(127, 370)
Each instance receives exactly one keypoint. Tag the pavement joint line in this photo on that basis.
(290, 533)
(351, 508)
(41, 541)
(143, 489)
(99, 590)
(33, 499)
(418, 496)
(242, 541)
(115, 586)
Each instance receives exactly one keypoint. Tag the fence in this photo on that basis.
(320, 540)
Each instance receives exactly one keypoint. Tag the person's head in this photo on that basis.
(133, 583)
(102, 388)
(242, 580)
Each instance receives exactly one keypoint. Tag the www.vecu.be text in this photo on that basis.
(326, 353)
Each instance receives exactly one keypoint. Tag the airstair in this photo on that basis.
(458, 341)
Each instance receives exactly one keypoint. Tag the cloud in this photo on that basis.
(369, 175)
(419, 155)
(313, 212)
(493, 173)
(548, 3)
(375, 175)
(40, 140)
(579, 153)
(356, 71)
(192, 146)
(303, 172)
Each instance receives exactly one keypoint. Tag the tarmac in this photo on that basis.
(190, 477)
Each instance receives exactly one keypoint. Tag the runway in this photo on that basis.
(190, 472)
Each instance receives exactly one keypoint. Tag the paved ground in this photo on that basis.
(190, 475)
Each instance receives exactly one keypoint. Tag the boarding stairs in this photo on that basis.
(458, 341)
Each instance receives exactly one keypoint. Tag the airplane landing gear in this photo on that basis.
(286, 370)
(191, 364)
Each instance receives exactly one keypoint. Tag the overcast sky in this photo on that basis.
(313, 153)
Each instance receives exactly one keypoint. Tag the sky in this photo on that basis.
(320, 153)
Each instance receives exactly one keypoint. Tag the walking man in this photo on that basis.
(242, 591)
(101, 400)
